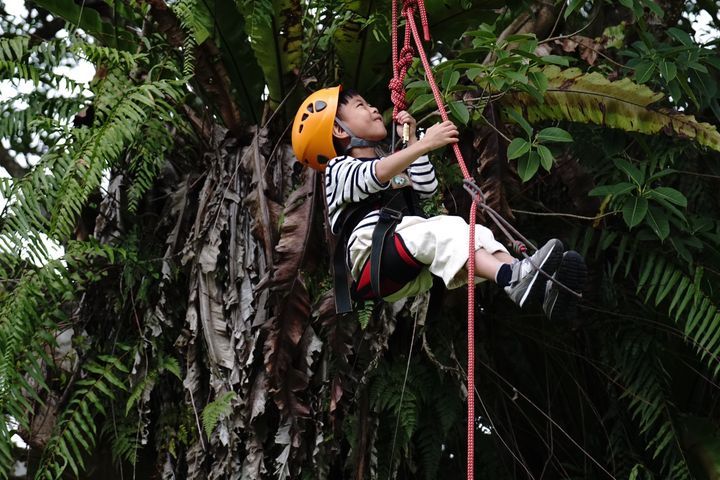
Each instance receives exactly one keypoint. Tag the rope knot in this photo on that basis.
(409, 6)
(408, 9)
(405, 58)
(397, 95)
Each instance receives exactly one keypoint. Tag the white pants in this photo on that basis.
(440, 242)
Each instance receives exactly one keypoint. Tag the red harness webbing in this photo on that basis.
(400, 65)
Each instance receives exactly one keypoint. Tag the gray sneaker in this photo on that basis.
(558, 303)
(527, 282)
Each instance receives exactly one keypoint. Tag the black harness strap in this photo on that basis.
(343, 300)
(343, 296)
(384, 228)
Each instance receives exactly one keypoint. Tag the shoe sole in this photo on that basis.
(536, 290)
(571, 273)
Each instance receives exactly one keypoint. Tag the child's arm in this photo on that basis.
(436, 136)
(422, 175)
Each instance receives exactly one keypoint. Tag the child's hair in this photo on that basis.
(344, 97)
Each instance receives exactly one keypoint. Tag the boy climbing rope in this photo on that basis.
(390, 248)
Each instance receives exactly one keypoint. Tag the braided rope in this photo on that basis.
(401, 62)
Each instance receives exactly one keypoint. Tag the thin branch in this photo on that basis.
(560, 37)
(496, 129)
(706, 175)
(569, 215)
(557, 19)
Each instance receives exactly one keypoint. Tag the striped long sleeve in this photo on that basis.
(349, 180)
(422, 174)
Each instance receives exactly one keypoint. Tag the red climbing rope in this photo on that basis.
(401, 63)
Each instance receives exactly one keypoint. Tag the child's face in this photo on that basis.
(363, 119)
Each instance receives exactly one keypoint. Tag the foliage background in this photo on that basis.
(186, 328)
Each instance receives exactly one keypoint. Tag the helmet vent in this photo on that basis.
(304, 117)
(301, 127)
(320, 106)
(310, 108)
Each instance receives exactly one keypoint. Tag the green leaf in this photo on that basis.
(421, 102)
(668, 194)
(539, 79)
(644, 71)
(668, 70)
(277, 54)
(633, 172)
(680, 35)
(658, 221)
(574, 4)
(460, 111)
(516, 76)
(660, 174)
(517, 148)
(89, 19)
(634, 210)
(528, 166)
(546, 157)
(654, 7)
(519, 37)
(555, 59)
(554, 134)
(616, 189)
(471, 73)
(518, 118)
(668, 206)
(576, 96)
(450, 79)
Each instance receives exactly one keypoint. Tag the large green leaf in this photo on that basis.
(365, 56)
(449, 19)
(246, 76)
(275, 32)
(89, 19)
(592, 98)
(362, 55)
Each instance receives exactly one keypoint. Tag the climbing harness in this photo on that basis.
(391, 265)
(401, 61)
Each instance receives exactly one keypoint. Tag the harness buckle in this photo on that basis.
(390, 215)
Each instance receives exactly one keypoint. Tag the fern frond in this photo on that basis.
(76, 431)
(646, 385)
(216, 409)
(198, 23)
(429, 441)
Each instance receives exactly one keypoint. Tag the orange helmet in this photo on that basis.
(312, 138)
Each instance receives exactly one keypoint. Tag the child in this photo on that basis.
(364, 192)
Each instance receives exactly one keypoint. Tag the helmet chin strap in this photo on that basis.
(354, 141)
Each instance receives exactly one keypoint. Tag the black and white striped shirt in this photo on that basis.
(349, 180)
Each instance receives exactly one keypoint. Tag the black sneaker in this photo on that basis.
(527, 282)
(560, 304)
